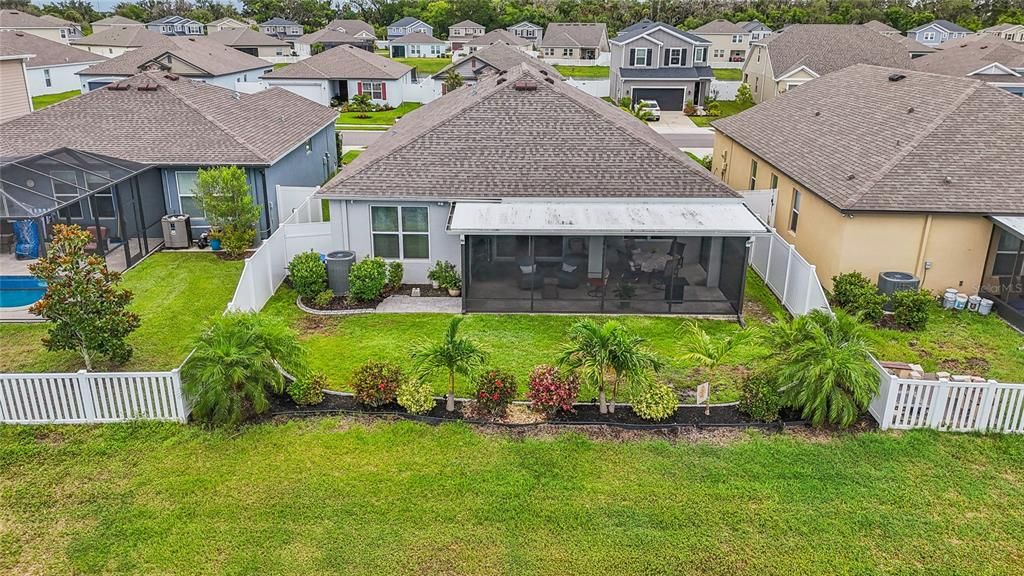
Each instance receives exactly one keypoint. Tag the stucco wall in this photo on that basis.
(108, 51)
(302, 168)
(757, 73)
(724, 42)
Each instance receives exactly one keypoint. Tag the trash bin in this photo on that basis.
(338, 264)
(177, 230)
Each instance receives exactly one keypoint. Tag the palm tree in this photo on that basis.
(824, 365)
(599, 352)
(708, 351)
(452, 80)
(237, 358)
(452, 354)
(641, 112)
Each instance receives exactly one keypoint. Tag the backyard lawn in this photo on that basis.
(337, 496)
(425, 66)
(728, 74)
(349, 156)
(48, 99)
(174, 294)
(583, 71)
(727, 107)
(383, 117)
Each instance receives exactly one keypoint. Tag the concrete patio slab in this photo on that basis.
(418, 304)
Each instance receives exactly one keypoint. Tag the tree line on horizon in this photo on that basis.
(617, 14)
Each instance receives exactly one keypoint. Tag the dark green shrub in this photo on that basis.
(760, 398)
(396, 271)
(854, 293)
(655, 401)
(308, 390)
(416, 396)
(367, 279)
(323, 299)
(308, 274)
(911, 307)
(495, 390)
(376, 383)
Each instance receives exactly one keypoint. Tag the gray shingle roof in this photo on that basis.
(181, 122)
(498, 35)
(498, 140)
(403, 22)
(502, 57)
(245, 37)
(644, 26)
(943, 24)
(46, 52)
(575, 34)
(333, 34)
(719, 27)
(880, 27)
(342, 63)
(826, 48)
(204, 53)
(417, 38)
(962, 57)
(682, 73)
(117, 20)
(16, 19)
(132, 36)
(467, 24)
(913, 46)
(924, 143)
(277, 21)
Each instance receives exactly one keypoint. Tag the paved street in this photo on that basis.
(365, 138)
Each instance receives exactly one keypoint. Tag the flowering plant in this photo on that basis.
(376, 383)
(551, 391)
(495, 390)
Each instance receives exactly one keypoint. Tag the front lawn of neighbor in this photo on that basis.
(582, 71)
(336, 496)
(425, 66)
(727, 107)
(728, 74)
(383, 117)
(49, 99)
(174, 294)
(349, 156)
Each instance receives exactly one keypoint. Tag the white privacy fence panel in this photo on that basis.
(600, 87)
(423, 91)
(787, 274)
(726, 89)
(91, 397)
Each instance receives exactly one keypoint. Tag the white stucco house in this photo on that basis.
(340, 73)
(53, 67)
(418, 45)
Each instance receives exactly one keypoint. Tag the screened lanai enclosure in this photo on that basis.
(120, 203)
(670, 258)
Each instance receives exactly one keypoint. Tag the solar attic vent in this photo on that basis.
(896, 77)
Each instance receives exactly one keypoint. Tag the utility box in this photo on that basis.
(338, 264)
(177, 230)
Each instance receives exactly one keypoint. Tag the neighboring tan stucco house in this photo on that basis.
(46, 26)
(459, 34)
(802, 52)
(1011, 32)
(729, 43)
(113, 22)
(898, 189)
(54, 67)
(116, 40)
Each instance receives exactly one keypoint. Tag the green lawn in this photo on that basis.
(425, 66)
(280, 65)
(333, 496)
(349, 156)
(583, 71)
(174, 293)
(384, 117)
(48, 99)
(729, 74)
(727, 107)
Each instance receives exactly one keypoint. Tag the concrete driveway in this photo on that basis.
(677, 123)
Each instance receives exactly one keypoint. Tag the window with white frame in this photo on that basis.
(549, 51)
(718, 53)
(774, 183)
(737, 38)
(63, 33)
(435, 49)
(195, 30)
(928, 36)
(675, 56)
(186, 182)
(400, 232)
(65, 189)
(700, 54)
(794, 213)
(374, 89)
(641, 57)
(566, 52)
(414, 50)
(46, 77)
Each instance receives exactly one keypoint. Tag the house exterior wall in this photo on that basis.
(14, 98)
(395, 89)
(318, 91)
(868, 242)
(399, 31)
(722, 48)
(934, 35)
(422, 50)
(620, 87)
(62, 79)
(50, 34)
(757, 73)
(532, 33)
(350, 229)
(108, 51)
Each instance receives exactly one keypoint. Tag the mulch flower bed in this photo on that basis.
(339, 303)
(426, 290)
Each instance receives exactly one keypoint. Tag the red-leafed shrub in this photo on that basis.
(551, 391)
(495, 390)
(376, 383)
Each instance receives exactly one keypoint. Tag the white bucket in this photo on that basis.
(949, 299)
(973, 302)
(961, 301)
(985, 307)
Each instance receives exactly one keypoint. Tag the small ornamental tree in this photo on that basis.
(88, 313)
(744, 97)
(223, 194)
(452, 80)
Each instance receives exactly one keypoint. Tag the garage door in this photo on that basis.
(667, 98)
(98, 84)
(314, 92)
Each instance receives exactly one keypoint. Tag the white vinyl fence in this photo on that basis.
(91, 397)
(265, 270)
(726, 89)
(599, 87)
(787, 274)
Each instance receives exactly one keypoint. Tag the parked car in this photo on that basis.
(652, 107)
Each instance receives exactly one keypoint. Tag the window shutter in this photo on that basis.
(632, 56)
(383, 90)
(666, 61)
(682, 61)
(359, 87)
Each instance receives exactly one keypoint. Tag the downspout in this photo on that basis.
(266, 203)
(919, 268)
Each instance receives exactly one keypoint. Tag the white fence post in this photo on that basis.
(180, 403)
(812, 278)
(937, 410)
(987, 401)
(768, 263)
(85, 393)
(789, 262)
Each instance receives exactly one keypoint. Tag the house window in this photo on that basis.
(46, 77)
(549, 51)
(1006, 262)
(400, 232)
(566, 52)
(63, 33)
(928, 36)
(641, 57)
(675, 56)
(774, 182)
(65, 189)
(280, 52)
(794, 214)
(753, 174)
(737, 39)
(110, 50)
(186, 182)
(374, 89)
(103, 200)
(435, 49)
(718, 53)
(700, 54)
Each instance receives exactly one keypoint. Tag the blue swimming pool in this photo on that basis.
(16, 291)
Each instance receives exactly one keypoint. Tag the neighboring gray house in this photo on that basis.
(177, 26)
(575, 43)
(559, 201)
(492, 59)
(338, 33)
(175, 126)
(408, 25)
(497, 36)
(281, 29)
(459, 34)
(418, 45)
(528, 31)
(938, 31)
(757, 30)
(657, 61)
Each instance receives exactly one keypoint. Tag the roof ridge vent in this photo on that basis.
(549, 80)
(118, 86)
(147, 87)
(172, 77)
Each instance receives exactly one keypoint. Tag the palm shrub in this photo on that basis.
(416, 396)
(550, 390)
(823, 364)
(376, 383)
(854, 292)
(452, 80)
(911, 307)
(452, 354)
(708, 351)
(599, 353)
(654, 401)
(308, 274)
(367, 279)
(237, 358)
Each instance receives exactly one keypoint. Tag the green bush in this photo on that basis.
(308, 390)
(376, 383)
(396, 271)
(655, 401)
(714, 108)
(911, 307)
(308, 274)
(323, 299)
(854, 293)
(495, 390)
(444, 273)
(744, 97)
(367, 279)
(416, 396)
(760, 398)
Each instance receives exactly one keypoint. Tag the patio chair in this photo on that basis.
(531, 277)
(571, 272)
